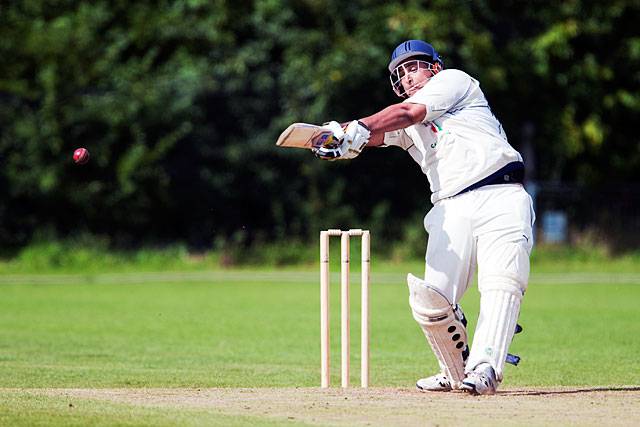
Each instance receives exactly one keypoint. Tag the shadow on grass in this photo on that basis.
(567, 391)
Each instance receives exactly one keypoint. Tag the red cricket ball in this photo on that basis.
(81, 156)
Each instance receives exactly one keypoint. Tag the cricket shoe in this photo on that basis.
(434, 383)
(482, 380)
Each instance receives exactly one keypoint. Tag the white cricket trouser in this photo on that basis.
(478, 229)
(489, 228)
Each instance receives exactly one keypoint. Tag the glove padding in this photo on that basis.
(350, 141)
(333, 150)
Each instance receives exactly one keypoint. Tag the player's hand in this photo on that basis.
(348, 142)
(327, 153)
(331, 150)
(356, 136)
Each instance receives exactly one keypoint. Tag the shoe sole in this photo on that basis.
(471, 388)
(435, 390)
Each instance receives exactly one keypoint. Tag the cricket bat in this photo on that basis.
(304, 135)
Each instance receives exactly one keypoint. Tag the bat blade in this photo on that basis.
(304, 135)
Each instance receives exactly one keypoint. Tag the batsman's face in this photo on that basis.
(411, 76)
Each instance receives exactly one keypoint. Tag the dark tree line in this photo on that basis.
(180, 102)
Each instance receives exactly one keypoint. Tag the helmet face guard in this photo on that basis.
(418, 50)
(411, 67)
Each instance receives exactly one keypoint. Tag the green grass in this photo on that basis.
(83, 324)
(253, 332)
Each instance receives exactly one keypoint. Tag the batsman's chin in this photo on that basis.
(412, 90)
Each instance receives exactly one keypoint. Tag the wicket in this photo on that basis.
(344, 305)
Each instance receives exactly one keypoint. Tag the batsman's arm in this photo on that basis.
(369, 131)
(394, 117)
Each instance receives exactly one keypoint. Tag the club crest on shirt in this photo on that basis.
(433, 126)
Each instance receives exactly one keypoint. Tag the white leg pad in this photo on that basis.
(444, 331)
(499, 310)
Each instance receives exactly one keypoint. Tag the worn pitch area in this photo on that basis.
(388, 406)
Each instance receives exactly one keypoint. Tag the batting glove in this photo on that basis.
(350, 141)
(333, 150)
(356, 136)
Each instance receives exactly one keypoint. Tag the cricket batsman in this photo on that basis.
(481, 217)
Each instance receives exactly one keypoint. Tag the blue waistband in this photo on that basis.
(512, 173)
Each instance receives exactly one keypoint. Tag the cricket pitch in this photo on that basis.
(583, 406)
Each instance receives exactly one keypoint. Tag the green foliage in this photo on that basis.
(179, 103)
(88, 255)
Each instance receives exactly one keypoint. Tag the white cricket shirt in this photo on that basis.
(460, 141)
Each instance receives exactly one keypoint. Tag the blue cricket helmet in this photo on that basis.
(412, 48)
